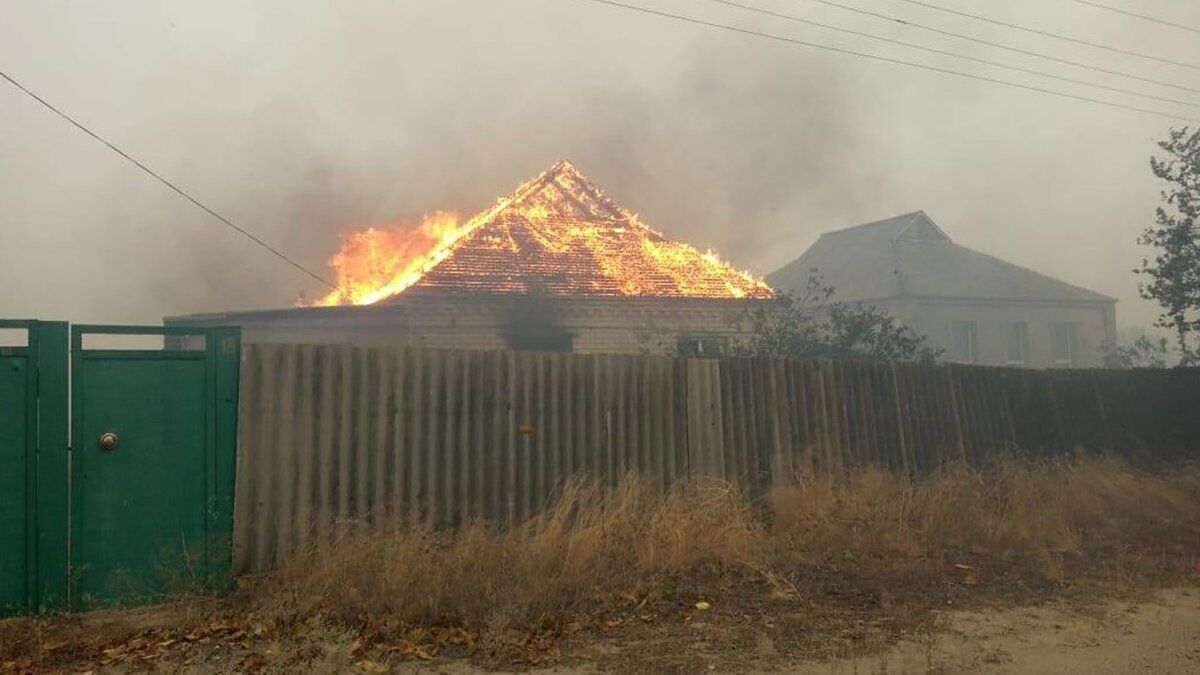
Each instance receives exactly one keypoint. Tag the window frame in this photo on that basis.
(718, 345)
(552, 341)
(1021, 331)
(1071, 330)
(972, 355)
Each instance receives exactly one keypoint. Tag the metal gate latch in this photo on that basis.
(108, 441)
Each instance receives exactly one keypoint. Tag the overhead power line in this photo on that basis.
(1050, 34)
(942, 52)
(885, 59)
(1145, 17)
(998, 45)
(242, 231)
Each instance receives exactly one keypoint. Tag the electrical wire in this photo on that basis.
(965, 57)
(885, 59)
(1144, 17)
(242, 231)
(998, 45)
(1050, 34)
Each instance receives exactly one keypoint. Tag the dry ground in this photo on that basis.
(1025, 567)
(1159, 635)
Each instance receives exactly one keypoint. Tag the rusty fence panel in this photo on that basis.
(332, 434)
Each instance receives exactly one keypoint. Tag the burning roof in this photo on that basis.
(557, 234)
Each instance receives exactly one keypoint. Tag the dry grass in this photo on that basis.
(1097, 511)
(837, 565)
(590, 544)
(842, 548)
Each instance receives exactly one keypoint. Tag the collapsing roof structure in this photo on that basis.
(560, 235)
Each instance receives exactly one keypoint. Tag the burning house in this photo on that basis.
(555, 266)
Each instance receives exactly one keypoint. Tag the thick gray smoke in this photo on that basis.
(304, 120)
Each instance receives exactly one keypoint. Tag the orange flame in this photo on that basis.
(563, 222)
(375, 264)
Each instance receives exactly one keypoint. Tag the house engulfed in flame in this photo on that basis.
(555, 266)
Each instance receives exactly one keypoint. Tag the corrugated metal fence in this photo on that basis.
(333, 433)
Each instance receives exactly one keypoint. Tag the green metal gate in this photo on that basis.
(141, 505)
(33, 468)
(152, 464)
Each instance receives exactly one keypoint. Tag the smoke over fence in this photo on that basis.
(331, 433)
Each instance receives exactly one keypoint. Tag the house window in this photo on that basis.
(701, 346)
(543, 339)
(1062, 343)
(1016, 343)
(964, 336)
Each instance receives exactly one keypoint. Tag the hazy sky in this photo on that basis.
(303, 119)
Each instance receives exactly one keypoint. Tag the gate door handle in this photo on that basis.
(108, 441)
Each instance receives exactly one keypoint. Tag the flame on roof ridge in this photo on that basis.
(562, 213)
(535, 196)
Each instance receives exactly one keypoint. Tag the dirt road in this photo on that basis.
(1158, 636)
(1161, 635)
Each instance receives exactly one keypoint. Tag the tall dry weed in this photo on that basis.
(1013, 510)
(591, 543)
(596, 548)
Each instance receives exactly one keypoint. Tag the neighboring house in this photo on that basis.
(556, 266)
(977, 308)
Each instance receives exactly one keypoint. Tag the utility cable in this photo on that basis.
(886, 59)
(242, 231)
(998, 45)
(1144, 17)
(932, 50)
(1050, 34)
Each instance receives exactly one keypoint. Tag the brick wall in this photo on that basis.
(597, 325)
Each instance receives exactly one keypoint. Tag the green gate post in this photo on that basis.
(225, 353)
(18, 477)
(35, 504)
(53, 491)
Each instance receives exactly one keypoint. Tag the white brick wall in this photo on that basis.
(598, 325)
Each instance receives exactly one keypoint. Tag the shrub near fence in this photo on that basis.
(332, 433)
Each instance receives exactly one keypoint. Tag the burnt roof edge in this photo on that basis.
(430, 297)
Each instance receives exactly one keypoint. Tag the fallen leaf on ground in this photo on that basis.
(372, 666)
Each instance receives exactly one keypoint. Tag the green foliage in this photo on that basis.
(1144, 352)
(808, 325)
(1172, 277)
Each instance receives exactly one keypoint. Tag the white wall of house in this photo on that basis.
(595, 325)
(1058, 335)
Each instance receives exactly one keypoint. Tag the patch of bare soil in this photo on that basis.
(1160, 635)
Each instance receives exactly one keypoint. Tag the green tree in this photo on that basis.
(1172, 277)
(807, 325)
(1143, 352)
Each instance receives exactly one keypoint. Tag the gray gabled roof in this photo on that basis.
(910, 255)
